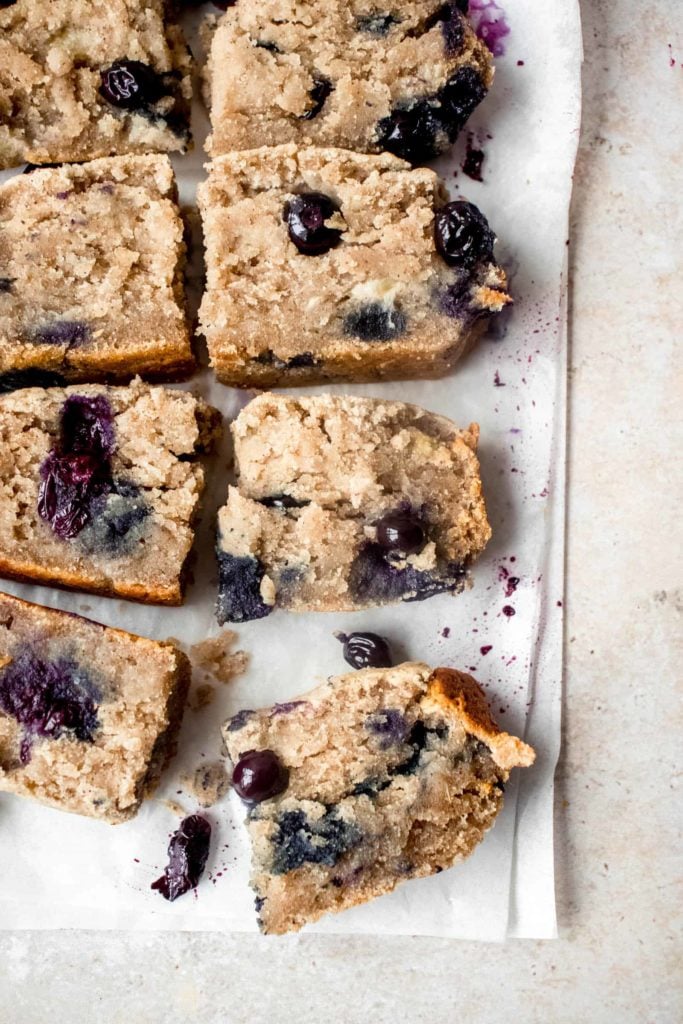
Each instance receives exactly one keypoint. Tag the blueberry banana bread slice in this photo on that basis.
(397, 76)
(345, 502)
(371, 779)
(100, 487)
(88, 715)
(87, 78)
(329, 265)
(91, 274)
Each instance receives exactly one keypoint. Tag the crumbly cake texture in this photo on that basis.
(53, 56)
(393, 774)
(381, 303)
(88, 715)
(100, 487)
(317, 478)
(344, 73)
(91, 272)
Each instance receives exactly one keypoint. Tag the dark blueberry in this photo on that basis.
(259, 775)
(473, 162)
(87, 426)
(49, 698)
(239, 720)
(268, 358)
(376, 24)
(239, 589)
(452, 28)
(462, 235)
(30, 379)
(258, 904)
(415, 133)
(370, 787)
(322, 87)
(282, 501)
(401, 533)
(456, 302)
(389, 726)
(305, 216)
(365, 650)
(61, 332)
(77, 471)
(7, 3)
(462, 93)
(6, 285)
(417, 739)
(264, 44)
(117, 520)
(68, 489)
(373, 579)
(130, 84)
(188, 852)
(301, 840)
(302, 359)
(375, 322)
(463, 5)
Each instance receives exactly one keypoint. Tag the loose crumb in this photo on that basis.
(215, 657)
(201, 696)
(174, 808)
(207, 784)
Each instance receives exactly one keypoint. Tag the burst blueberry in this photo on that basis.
(259, 775)
(188, 852)
(462, 235)
(130, 85)
(306, 216)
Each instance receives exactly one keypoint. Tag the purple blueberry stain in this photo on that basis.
(239, 589)
(389, 726)
(188, 852)
(287, 707)
(489, 22)
(72, 333)
(452, 29)
(375, 322)
(49, 698)
(239, 720)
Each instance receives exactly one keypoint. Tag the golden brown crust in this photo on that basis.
(461, 695)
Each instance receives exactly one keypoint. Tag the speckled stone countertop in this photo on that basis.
(619, 955)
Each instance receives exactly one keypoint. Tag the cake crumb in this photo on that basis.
(174, 807)
(217, 660)
(207, 784)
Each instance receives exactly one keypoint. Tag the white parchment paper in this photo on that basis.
(58, 870)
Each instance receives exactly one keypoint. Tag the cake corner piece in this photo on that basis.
(370, 779)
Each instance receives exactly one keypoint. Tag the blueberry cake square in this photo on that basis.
(371, 779)
(100, 487)
(88, 78)
(328, 265)
(88, 715)
(343, 503)
(397, 76)
(91, 274)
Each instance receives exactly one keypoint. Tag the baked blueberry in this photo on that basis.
(373, 580)
(130, 85)
(300, 840)
(322, 87)
(188, 852)
(239, 589)
(414, 133)
(259, 775)
(6, 285)
(452, 28)
(462, 235)
(365, 650)
(118, 520)
(460, 96)
(31, 378)
(282, 501)
(49, 698)
(306, 216)
(388, 725)
(375, 322)
(401, 533)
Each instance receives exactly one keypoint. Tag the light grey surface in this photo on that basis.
(618, 958)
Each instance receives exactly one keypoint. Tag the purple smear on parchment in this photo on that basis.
(488, 20)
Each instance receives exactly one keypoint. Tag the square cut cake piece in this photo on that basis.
(100, 487)
(371, 779)
(88, 715)
(401, 76)
(343, 503)
(81, 79)
(91, 274)
(329, 265)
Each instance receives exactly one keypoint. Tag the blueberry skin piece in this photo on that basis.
(239, 593)
(259, 775)
(305, 216)
(188, 852)
(462, 235)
